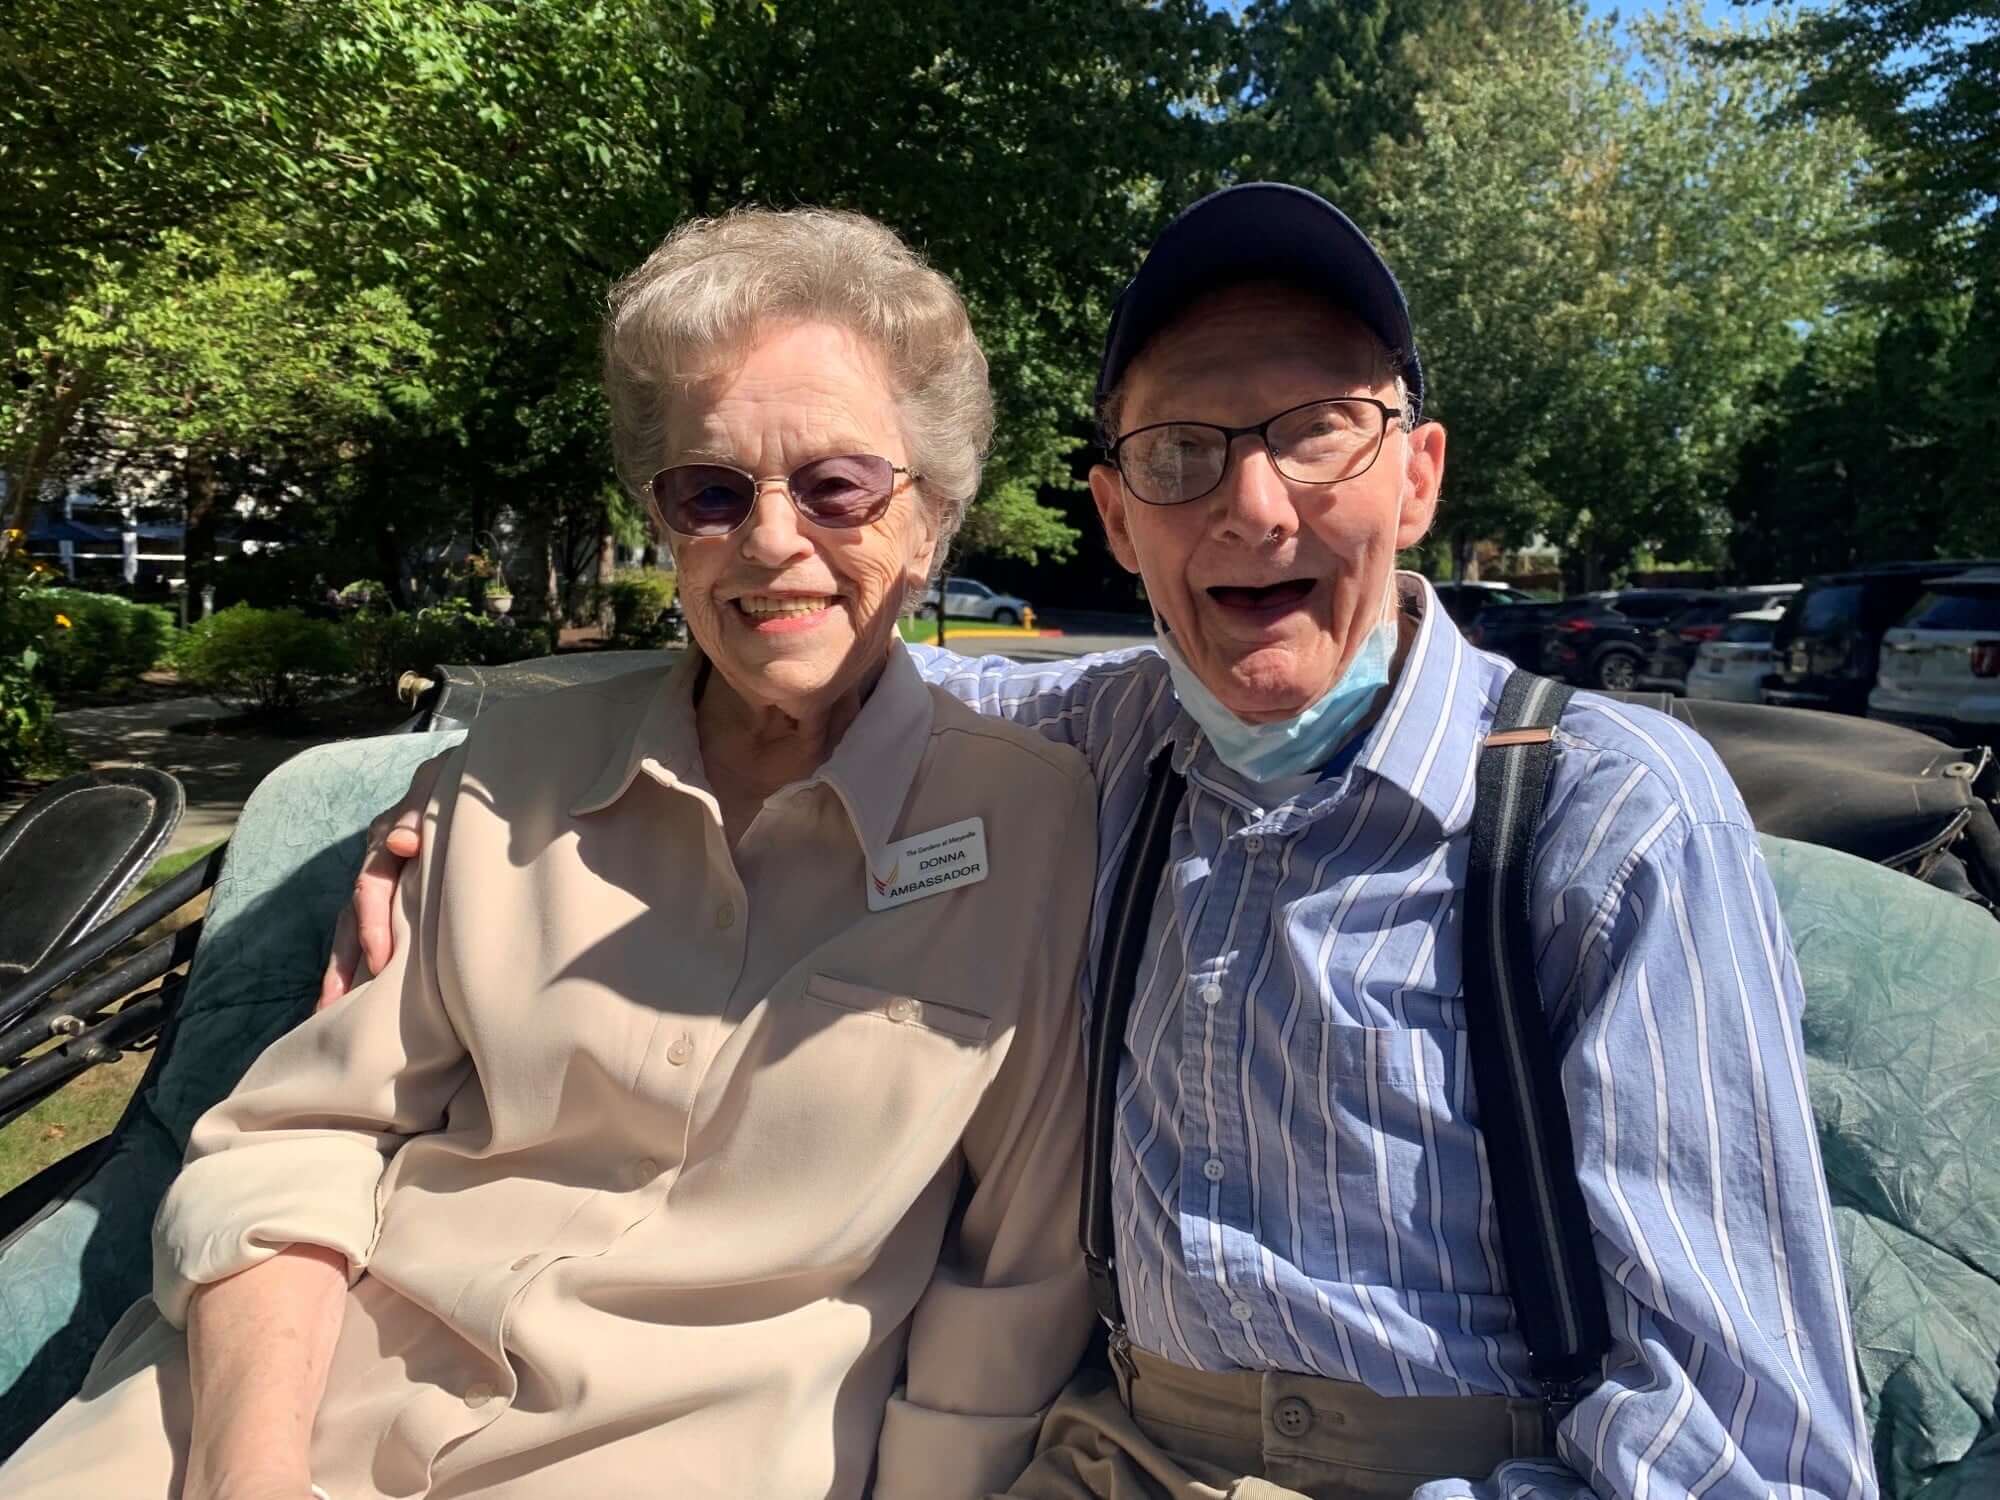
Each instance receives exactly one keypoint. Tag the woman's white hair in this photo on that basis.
(714, 282)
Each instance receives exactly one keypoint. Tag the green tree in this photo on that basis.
(1610, 256)
(1922, 79)
(491, 166)
(225, 362)
(1850, 469)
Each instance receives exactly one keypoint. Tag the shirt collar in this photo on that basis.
(870, 770)
(1429, 730)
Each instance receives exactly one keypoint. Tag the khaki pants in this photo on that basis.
(1180, 1434)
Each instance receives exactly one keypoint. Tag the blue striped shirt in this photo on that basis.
(1300, 1180)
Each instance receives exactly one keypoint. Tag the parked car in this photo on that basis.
(970, 599)
(1732, 667)
(1463, 601)
(1602, 640)
(1671, 653)
(1513, 631)
(1940, 669)
(1830, 641)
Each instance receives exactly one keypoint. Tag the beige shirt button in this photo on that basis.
(523, 1263)
(642, 1171)
(903, 1008)
(681, 1050)
(725, 917)
(478, 1395)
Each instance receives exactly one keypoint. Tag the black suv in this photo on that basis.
(1602, 640)
(1512, 630)
(1677, 640)
(1830, 642)
(1462, 601)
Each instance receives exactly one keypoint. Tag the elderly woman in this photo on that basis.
(715, 1129)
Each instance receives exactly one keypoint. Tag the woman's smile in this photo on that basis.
(785, 614)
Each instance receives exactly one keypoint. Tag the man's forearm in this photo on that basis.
(259, 1346)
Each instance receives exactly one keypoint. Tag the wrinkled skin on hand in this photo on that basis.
(363, 939)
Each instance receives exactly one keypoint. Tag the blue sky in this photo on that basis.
(1716, 10)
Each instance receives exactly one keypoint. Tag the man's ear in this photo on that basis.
(1108, 490)
(1423, 479)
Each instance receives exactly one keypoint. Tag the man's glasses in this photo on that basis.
(1321, 442)
(842, 492)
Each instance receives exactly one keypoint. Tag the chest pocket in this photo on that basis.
(1411, 1058)
(899, 1010)
(849, 1097)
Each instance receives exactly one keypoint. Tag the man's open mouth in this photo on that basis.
(1264, 598)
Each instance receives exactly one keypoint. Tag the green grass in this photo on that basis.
(918, 632)
(168, 867)
(71, 1118)
(86, 1108)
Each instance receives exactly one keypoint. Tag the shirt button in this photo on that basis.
(1212, 1169)
(904, 1009)
(642, 1171)
(478, 1395)
(680, 1051)
(1292, 1417)
(523, 1263)
(1209, 994)
(725, 917)
(1240, 1311)
(1253, 845)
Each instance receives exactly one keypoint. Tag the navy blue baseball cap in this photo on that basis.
(1261, 231)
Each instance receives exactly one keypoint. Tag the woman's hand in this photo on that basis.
(362, 938)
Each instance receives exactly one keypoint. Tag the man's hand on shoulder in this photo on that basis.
(363, 940)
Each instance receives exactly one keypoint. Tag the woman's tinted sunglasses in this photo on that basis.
(841, 492)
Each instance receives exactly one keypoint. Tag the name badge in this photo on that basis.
(928, 865)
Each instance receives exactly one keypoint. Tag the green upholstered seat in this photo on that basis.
(1902, 1041)
(66, 1276)
(1902, 1032)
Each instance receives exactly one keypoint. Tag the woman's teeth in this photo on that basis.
(769, 607)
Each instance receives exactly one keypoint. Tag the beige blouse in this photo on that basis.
(667, 1171)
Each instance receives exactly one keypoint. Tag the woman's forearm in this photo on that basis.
(259, 1344)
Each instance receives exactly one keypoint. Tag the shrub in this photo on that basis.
(266, 661)
(365, 596)
(109, 640)
(639, 598)
(29, 739)
(387, 646)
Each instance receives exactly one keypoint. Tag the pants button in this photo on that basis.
(1292, 1417)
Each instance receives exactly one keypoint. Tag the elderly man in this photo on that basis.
(1311, 1284)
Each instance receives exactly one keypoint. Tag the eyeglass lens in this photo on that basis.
(847, 490)
(1319, 444)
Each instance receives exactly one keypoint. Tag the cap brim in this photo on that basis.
(1260, 231)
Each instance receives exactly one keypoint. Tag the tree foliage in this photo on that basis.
(347, 258)
(1921, 416)
(1612, 257)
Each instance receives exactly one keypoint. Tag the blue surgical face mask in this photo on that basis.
(1307, 740)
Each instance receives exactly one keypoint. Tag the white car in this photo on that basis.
(1940, 667)
(966, 598)
(1732, 667)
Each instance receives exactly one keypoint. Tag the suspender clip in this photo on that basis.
(1559, 1398)
(1103, 1279)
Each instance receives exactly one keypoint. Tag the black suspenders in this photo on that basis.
(1124, 944)
(1544, 1230)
